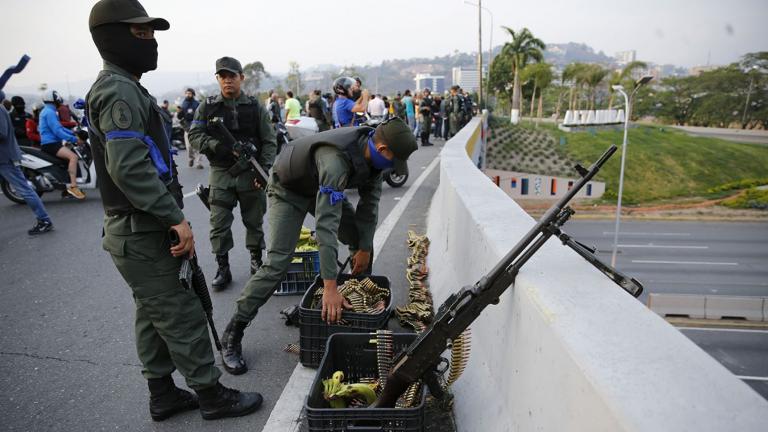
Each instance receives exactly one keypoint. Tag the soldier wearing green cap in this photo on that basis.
(142, 202)
(310, 176)
(232, 178)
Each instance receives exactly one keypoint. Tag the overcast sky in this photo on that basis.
(682, 32)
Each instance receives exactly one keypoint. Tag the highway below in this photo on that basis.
(720, 258)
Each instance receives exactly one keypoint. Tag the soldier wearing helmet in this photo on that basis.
(142, 202)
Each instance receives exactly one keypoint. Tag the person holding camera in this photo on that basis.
(232, 179)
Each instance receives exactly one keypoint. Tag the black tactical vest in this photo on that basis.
(242, 122)
(112, 198)
(295, 166)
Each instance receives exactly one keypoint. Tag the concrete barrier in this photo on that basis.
(748, 308)
(688, 305)
(565, 349)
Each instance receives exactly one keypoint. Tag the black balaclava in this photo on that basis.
(119, 46)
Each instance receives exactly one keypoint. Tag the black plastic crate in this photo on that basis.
(300, 275)
(353, 354)
(314, 332)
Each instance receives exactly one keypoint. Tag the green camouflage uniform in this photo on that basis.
(227, 190)
(341, 221)
(171, 331)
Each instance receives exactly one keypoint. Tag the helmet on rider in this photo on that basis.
(79, 104)
(343, 86)
(53, 97)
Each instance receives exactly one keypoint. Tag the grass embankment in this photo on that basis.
(663, 163)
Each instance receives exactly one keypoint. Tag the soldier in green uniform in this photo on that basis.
(310, 176)
(455, 111)
(425, 110)
(142, 202)
(231, 177)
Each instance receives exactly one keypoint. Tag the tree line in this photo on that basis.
(735, 95)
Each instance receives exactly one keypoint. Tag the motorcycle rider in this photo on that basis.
(52, 133)
(10, 157)
(19, 117)
(349, 100)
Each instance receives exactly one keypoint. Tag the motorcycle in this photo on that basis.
(282, 136)
(46, 173)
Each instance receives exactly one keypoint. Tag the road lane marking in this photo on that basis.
(287, 410)
(685, 262)
(653, 246)
(189, 194)
(647, 233)
(751, 378)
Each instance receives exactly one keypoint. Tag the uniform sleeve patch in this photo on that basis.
(121, 114)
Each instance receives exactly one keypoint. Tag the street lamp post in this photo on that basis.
(628, 105)
(490, 50)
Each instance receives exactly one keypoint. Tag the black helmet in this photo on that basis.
(342, 86)
(53, 97)
(17, 101)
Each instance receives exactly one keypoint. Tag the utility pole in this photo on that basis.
(479, 54)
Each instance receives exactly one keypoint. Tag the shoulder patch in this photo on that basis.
(121, 114)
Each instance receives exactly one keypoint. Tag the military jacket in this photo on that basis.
(124, 118)
(245, 118)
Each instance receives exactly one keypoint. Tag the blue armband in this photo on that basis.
(154, 153)
(334, 195)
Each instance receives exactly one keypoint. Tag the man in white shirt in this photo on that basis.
(376, 107)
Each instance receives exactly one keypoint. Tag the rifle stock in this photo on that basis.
(458, 311)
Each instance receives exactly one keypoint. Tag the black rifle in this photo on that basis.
(244, 150)
(191, 277)
(421, 359)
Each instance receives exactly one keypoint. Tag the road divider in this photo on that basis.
(710, 307)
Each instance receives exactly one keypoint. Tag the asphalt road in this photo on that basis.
(696, 258)
(736, 135)
(67, 356)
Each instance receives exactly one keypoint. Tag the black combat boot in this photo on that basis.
(232, 348)
(165, 399)
(255, 261)
(219, 402)
(223, 275)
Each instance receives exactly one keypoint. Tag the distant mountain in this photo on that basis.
(563, 54)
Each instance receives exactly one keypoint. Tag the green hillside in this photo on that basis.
(662, 163)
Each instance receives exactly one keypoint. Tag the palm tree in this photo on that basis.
(593, 77)
(541, 76)
(573, 73)
(523, 48)
(621, 77)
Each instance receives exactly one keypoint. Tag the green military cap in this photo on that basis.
(400, 140)
(228, 64)
(123, 11)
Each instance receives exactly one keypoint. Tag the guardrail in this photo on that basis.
(712, 307)
(565, 349)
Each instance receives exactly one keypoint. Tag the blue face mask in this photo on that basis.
(378, 161)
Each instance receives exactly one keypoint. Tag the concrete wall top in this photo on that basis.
(565, 349)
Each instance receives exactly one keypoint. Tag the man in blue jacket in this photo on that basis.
(10, 156)
(52, 133)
